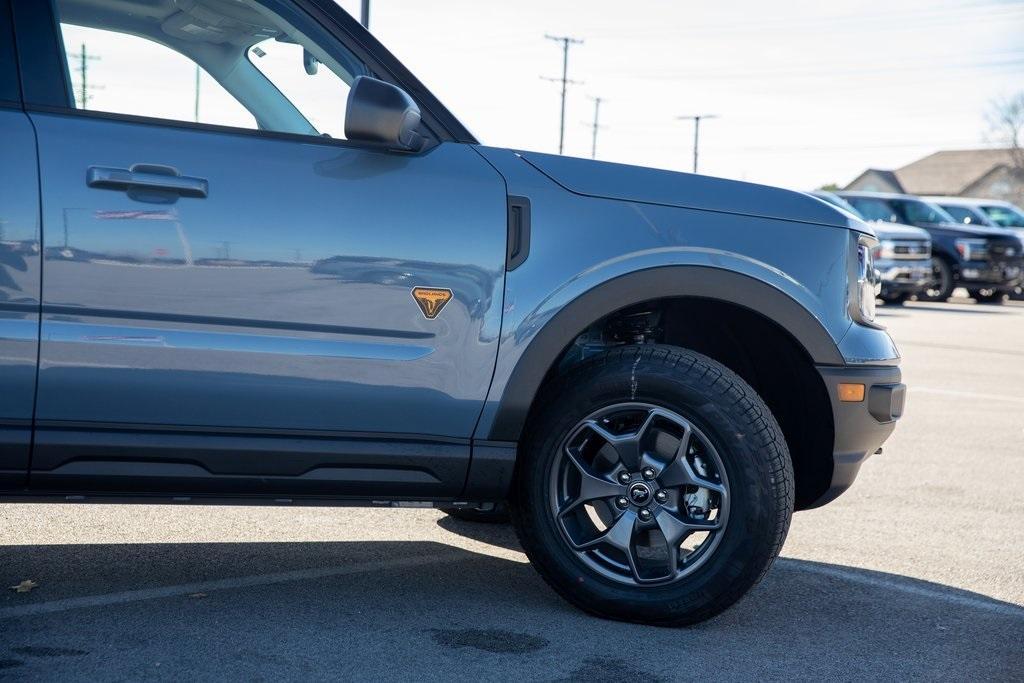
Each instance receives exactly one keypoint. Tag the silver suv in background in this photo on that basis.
(903, 255)
(993, 213)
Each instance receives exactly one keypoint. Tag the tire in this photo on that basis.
(496, 515)
(941, 286)
(730, 429)
(895, 299)
(988, 296)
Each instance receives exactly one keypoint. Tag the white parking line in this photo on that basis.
(108, 599)
(901, 586)
(966, 394)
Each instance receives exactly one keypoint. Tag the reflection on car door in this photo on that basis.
(19, 292)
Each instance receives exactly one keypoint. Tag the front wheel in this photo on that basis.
(655, 486)
(988, 296)
(941, 286)
(895, 299)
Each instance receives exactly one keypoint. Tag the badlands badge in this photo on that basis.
(431, 300)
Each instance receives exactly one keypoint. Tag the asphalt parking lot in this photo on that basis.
(916, 573)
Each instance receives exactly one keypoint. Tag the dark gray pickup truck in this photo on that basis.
(321, 289)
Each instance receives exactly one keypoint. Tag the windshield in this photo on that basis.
(916, 211)
(1006, 216)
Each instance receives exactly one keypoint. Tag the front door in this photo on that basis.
(233, 309)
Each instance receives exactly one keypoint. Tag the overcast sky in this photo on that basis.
(808, 92)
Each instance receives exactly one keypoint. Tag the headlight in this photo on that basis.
(868, 283)
(972, 249)
(886, 250)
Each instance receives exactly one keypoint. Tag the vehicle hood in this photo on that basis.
(687, 190)
(898, 231)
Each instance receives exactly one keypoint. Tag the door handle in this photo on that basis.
(147, 177)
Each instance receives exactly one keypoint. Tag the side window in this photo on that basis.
(243, 63)
(124, 74)
(961, 214)
(318, 92)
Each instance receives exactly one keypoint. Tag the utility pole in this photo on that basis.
(566, 41)
(696, 132)
(84, 58)
(196, 115)
(595, 126)
(364, 18)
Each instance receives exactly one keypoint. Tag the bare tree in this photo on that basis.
(1005, 120)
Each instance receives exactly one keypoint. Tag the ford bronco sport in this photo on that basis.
(326, 291)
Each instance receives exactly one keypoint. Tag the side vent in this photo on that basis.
(518, 232)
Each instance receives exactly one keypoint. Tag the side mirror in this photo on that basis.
(380, 112)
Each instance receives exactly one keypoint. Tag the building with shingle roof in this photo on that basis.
(986, 173)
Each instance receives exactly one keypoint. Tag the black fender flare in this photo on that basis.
(644, 285)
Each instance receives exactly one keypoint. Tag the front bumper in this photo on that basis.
(895, 288)
(917, 272)
(1003, 275)
(861, 427)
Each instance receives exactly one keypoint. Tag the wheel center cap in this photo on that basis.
(639, 493)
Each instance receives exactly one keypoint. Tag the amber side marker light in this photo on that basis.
(851, 393)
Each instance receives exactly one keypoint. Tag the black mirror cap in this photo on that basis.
(382, 113)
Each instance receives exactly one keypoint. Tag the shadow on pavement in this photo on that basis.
(430, 611)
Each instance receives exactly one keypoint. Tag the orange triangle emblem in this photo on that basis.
(431, 300)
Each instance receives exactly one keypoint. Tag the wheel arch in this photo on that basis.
(694, 282)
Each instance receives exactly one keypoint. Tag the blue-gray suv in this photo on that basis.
(264, 264)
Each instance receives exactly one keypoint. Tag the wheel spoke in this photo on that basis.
(627, 446)
(672, 528)
(674, 535)
(592, 486)
(703, 524)
(619, 535)
(675, 530)
(680, 472)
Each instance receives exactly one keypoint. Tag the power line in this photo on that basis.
(915, 20)
(696, 118)
(1012, 59)
(566, 41)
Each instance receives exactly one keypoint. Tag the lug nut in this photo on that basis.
(644, 514)
(648, 473)
(621, 502)
(624, 477)
(661, 496)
